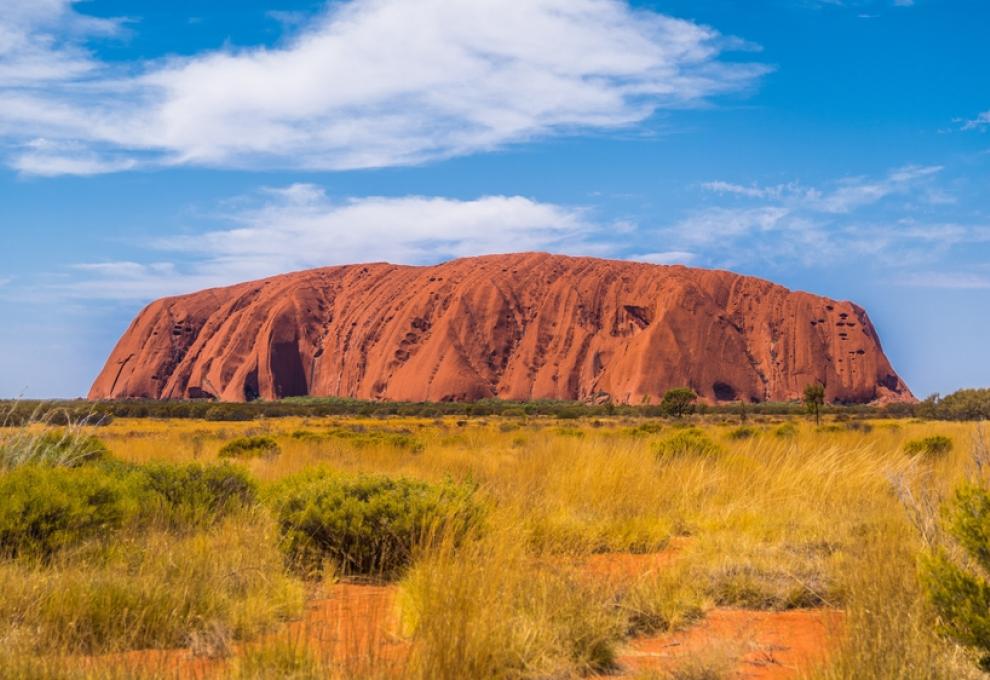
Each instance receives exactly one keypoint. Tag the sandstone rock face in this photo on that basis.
(525, 326)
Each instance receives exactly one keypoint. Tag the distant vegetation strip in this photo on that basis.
(968, 404)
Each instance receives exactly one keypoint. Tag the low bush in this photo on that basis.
(646, 429)
(742, 432)
(933, 446)
(786, 430)
(195, 495)
(365, 525)
(689, 442)
(45, 509)
(63, 447)
(959, 589)
(251, 447)
(360, 438)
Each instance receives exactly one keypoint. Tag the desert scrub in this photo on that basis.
(689, 442)
(647, 429)
(195, 495)
(153, 589)
(65, 447)
(251, 447)
(44, 509)
(786, 430)
(742, 432)
(932, 447)
(957, 586)
(369, 524)
(361, 438)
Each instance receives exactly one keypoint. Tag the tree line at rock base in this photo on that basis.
(968, 404)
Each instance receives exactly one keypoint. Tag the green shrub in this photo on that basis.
(63, 447)
(307, 436)
(197, 495)
(689, 442)
(645, 429)
(361, 438)
(786, 430)
(44, 509)
(228, 413)
(960, 592)
(367, 524)
(742, 432)
(935, 445)
(251, 447)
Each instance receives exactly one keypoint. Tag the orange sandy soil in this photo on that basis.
(355, 628)
(757, 645)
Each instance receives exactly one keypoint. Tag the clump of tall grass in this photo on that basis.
(154, 589)
(486, 610)
(64, 447)
(665, 600)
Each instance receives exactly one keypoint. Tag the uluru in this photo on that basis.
(519, 327)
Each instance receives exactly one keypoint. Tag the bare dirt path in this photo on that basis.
(355, 629)
(754, 645)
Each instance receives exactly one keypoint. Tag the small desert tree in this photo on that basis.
(814, 399)
(678, 401)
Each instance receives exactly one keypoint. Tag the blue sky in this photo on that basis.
(152, 148)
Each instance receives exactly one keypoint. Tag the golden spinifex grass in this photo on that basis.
(787, 515)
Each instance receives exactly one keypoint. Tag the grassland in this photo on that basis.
(521, 547)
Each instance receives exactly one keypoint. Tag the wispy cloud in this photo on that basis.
(299, 227)
(668, 257)
(367, 83)
(853, 219)
(947, 280)
(981, 122)
(860, 4)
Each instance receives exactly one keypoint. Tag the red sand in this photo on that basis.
(758, 645)
(355, 628)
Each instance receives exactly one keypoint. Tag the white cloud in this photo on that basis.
(39, 42)
(299, 227)
(713, 225)
(845, 195)
(751, 191)
(981, 122)
(367, 83)
(851, 219)
(948, 280)
(668, 257)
